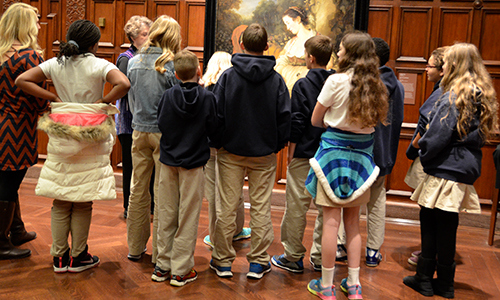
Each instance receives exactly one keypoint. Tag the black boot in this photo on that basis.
(422, 281)
(443, 285)
(18, 234)
(7, 250)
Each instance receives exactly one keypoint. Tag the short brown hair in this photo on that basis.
(321, 47)
(254, 38)
(186, 64)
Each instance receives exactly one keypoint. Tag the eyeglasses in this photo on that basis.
(430, 67)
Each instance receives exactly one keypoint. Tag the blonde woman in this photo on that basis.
(450, 153)
(19, 51)
(150, 73)
(218, 63)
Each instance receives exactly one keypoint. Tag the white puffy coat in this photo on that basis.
(78, 166)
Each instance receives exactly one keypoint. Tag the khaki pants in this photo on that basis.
(261, 173)
(145, 155)
(213, 197)
(69, 217)
(375, 216)
(294, 220)
(179, 204)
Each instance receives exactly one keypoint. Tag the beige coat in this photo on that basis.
(78, 165)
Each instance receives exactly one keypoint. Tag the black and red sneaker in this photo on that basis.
(82, 262)
(61, 263)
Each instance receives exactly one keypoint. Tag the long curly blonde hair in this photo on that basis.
(218, 63)
(465, 75)
(19, 22)
(166, 34)
(368, 99)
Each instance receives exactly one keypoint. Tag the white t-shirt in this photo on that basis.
(335, 96)
(80, 78)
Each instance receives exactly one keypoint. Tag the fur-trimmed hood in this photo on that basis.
(65, 128)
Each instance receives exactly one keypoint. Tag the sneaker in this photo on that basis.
(316, 267)
(82, 262)
(136, 257)
(223, 272)
(125, 213)
(256, 270)
(208, 242)
(413, 260)
(245, 233)
(373, 257)
(159, 275)
(416, 253)
(61, 263)
(341, 253)
(317, 289)
(353, 291)
(281, 262)
(177, 280)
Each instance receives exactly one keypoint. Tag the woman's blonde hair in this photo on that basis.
(368, 99)
(465, 76)
(134, 26)
(218, 63)
(166, 34)
(19, 22)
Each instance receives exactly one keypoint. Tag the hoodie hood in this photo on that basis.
(317, 77)
(389, 79)
(185, 100)
(252, 67)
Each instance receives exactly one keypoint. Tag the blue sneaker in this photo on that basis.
(257, 270)
(373, 257)
(317, 289)
(223, 272)
(293, 266)
(352, 291)
(208, 242)
(245, 233)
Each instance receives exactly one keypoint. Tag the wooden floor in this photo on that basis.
(477, 276)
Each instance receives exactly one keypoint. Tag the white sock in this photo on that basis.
(353, 276)
(327, 276)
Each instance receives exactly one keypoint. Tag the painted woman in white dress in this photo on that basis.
(291, 62)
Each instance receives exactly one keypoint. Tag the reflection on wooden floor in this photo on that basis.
(477, 277)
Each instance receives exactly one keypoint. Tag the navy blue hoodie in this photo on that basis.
(253, 107)
(186, 117)
(443, 153)
(423, 119)
(386, 139)
(304, 97)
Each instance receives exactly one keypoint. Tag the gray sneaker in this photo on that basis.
(281, 262)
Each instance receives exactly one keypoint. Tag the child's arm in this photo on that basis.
(28, 83)
(318, 115)
(414, 143)
(291, 151)
(120, 84)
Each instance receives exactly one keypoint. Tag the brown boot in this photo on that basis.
(18, 234)
(7, 250)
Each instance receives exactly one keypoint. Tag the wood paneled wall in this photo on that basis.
(413, 29)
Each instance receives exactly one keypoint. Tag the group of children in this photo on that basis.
(249, 117)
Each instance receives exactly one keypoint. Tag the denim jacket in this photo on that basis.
(146, 88)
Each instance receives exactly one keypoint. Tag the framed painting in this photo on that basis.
(289, 23)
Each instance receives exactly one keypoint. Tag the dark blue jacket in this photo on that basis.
(253, 107)
(304, 97)
(423, 119)
(386, 139)
(443, 153)
(186, 117)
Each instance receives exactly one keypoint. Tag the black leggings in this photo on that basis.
(10, 181)
(438, 230)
